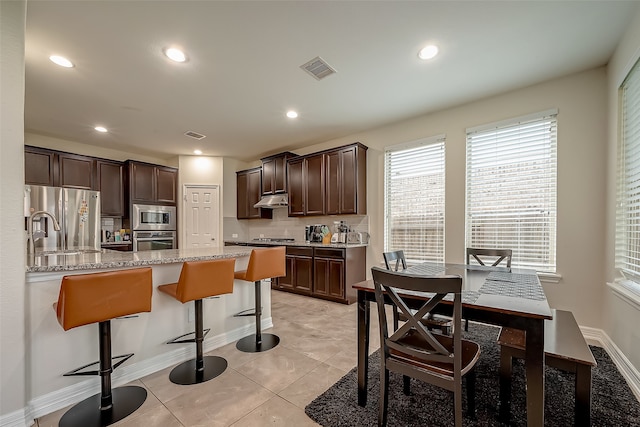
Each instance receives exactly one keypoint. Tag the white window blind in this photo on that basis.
(628, 206)
(511, 189)
(414, 200)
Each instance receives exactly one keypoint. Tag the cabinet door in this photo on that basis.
(280, 175)
(241, 199)
(166, 185)
(142, 178)
(287, 281)
(39, 166)
(314, 189)
(76, 171)
(348, 181)
(302, 273)
(333, 193)
(254, 190)
(110, 185)
(268, 176)
(296, 187)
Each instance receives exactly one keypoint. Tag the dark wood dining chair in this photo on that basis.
(414, 351)
(487, 257)
(393, 261)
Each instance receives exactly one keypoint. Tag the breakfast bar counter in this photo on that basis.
(52, 351)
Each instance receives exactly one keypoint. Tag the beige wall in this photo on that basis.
(621, 317)
(582, 118)
(13, 384)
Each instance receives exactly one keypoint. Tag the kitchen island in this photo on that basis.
(51, 351)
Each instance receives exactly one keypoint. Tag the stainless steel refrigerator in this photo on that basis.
(77, 212)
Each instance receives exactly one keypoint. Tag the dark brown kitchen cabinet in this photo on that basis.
(76, 171)
(110, 178)
(346, 191)
(152, 184)
(328, 279)
(331, 182)
(306, 177)
(248, 191)
(299, 270)
(40, 166)
(274, 173)
(323, 272)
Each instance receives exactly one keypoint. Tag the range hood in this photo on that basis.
(273, 201)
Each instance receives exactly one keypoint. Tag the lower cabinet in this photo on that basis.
(326, 273)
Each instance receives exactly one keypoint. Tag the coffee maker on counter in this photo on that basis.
(340, 232)
(314, 233)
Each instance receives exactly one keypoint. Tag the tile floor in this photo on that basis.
(317, 347)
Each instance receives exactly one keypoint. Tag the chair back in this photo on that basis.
(394, 260)
(97, 297)
(412, 340)
(496, 256)
(266, 263)
(202, 279)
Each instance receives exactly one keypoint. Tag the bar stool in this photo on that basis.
(198, 280)
(263, 264)
(98, 298)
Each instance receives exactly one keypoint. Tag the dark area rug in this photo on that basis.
(613, 403)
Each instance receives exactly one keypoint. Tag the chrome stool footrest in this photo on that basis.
(178, 340)
(75, 372)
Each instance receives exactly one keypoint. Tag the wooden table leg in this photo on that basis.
(534, 364)
(363, 347)
(583, 395)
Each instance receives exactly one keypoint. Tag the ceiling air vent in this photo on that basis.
(194, 135)
(318, 68)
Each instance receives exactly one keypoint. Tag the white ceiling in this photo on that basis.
(243, 73)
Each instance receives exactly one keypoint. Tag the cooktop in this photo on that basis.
(274, 239)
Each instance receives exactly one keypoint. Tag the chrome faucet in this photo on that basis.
(32, 236)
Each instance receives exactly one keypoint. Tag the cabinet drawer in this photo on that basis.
(329, 253)
(299, 250)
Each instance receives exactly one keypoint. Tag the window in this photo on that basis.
(414, 200)
(628, 206)
(511, 189)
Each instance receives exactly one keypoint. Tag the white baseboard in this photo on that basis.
(51, 402)
(599, 338)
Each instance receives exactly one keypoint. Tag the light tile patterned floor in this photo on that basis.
(317, 347)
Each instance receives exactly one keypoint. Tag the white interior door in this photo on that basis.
(202, 216)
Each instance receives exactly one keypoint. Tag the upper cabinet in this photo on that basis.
(249, 189)
(331, 182)
(110, 177)
(274, 173)
(40, 166)
(152, 184)
(76, 171)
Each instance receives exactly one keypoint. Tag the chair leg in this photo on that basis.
(457, 405)
(110, 406)
(396, 318)
(258, 342)
(384, 396)
(200, 369)
(466, 325)
(471, 393)
(406, 385)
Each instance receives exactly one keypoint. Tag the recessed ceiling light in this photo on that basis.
(292, 114)
(428, 52)
(197, 152)
(101, 129)
(175, 54)
(61, 61)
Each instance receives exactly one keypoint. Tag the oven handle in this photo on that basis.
(148, 239)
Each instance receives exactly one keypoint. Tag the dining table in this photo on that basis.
(509, 297)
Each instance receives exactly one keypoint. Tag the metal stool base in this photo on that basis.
(186, 374)
(250, 344)
(126, 400)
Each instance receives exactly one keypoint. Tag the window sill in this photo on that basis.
(549, 277)
(627, 290)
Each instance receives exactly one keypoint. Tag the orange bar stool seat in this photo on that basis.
(263, 264)
(198, 280)
(98, 298)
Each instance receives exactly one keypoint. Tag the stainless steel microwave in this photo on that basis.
(151, 217)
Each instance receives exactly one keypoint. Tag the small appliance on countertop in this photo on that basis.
(315, 233)
(358, 237)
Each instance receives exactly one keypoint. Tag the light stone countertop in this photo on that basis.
(107, 259)
(294, 243)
